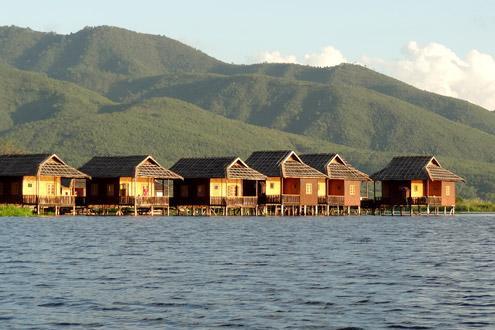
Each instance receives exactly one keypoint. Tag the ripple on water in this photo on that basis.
(332, 273)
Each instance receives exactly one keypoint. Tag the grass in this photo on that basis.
(475, 205)
(15, 211)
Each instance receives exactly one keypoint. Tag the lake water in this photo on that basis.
(260, 273)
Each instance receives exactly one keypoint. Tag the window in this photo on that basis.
(415, 187)
(110, 189)
(30, 185)
(201, 190)
(50, 189)
(216, 187)
(94, 189)
(352, 190)
(272, 185)
(309, 188)
(184, 191)
(124, 189)
(447, 190)
(233, 191)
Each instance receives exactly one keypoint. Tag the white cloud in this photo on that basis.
(433, 67)
(438, 69)
(329, 56)
(275, 57)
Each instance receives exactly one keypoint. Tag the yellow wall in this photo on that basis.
(29, 185)
(276, 186)
(223, 186)
(141, 183)
(322, 188)
(417, 188)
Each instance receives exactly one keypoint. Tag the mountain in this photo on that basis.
(97, 57)
(336, 112)
(107, 90)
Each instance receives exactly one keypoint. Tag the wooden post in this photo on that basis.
(38, 194)
(135, 195)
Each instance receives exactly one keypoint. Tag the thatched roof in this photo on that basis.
(335, 166)
(415, 168)
(216, 167)
(37, 164)
(282, 164)
(127, 166)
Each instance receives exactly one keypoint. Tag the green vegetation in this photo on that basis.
(347, 115)
(474, 205)
(107, 90)
(15, 211)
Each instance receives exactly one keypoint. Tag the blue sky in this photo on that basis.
(235, 30)
(377, 33)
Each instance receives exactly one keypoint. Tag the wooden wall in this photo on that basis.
(309, 197)
(352, 193)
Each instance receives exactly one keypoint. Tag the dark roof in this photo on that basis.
(415, 168)
(216, 167)
(37, 164)
(283, 163)
(335, 166)
(127, 166)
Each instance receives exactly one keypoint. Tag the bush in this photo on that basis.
(15, 211)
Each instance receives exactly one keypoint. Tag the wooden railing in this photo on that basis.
(335, 200)
(424, 200)
(241, 201)
(270, 199)
(286, 199)
(152, 201)
(427, 200)
(291, 199)
(143, 201)
(34, 200)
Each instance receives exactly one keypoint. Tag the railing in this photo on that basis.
(124, 200)
(247, 201)
(291, 199)
(152, 201)
(34, 200)
(285, 199)
(271, 199)
(335, 200)
(424, 200)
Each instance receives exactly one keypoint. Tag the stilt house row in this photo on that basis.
(267, 183)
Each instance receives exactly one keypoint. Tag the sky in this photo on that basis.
(441, 46)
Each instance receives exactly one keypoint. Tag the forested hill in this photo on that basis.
(106, 89)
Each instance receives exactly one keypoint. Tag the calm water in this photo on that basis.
(366, 272)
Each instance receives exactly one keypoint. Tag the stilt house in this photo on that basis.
(139, 182)
(416, 180)
(217, 183)
(291, 184)
(342, 187)
(41, 180)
